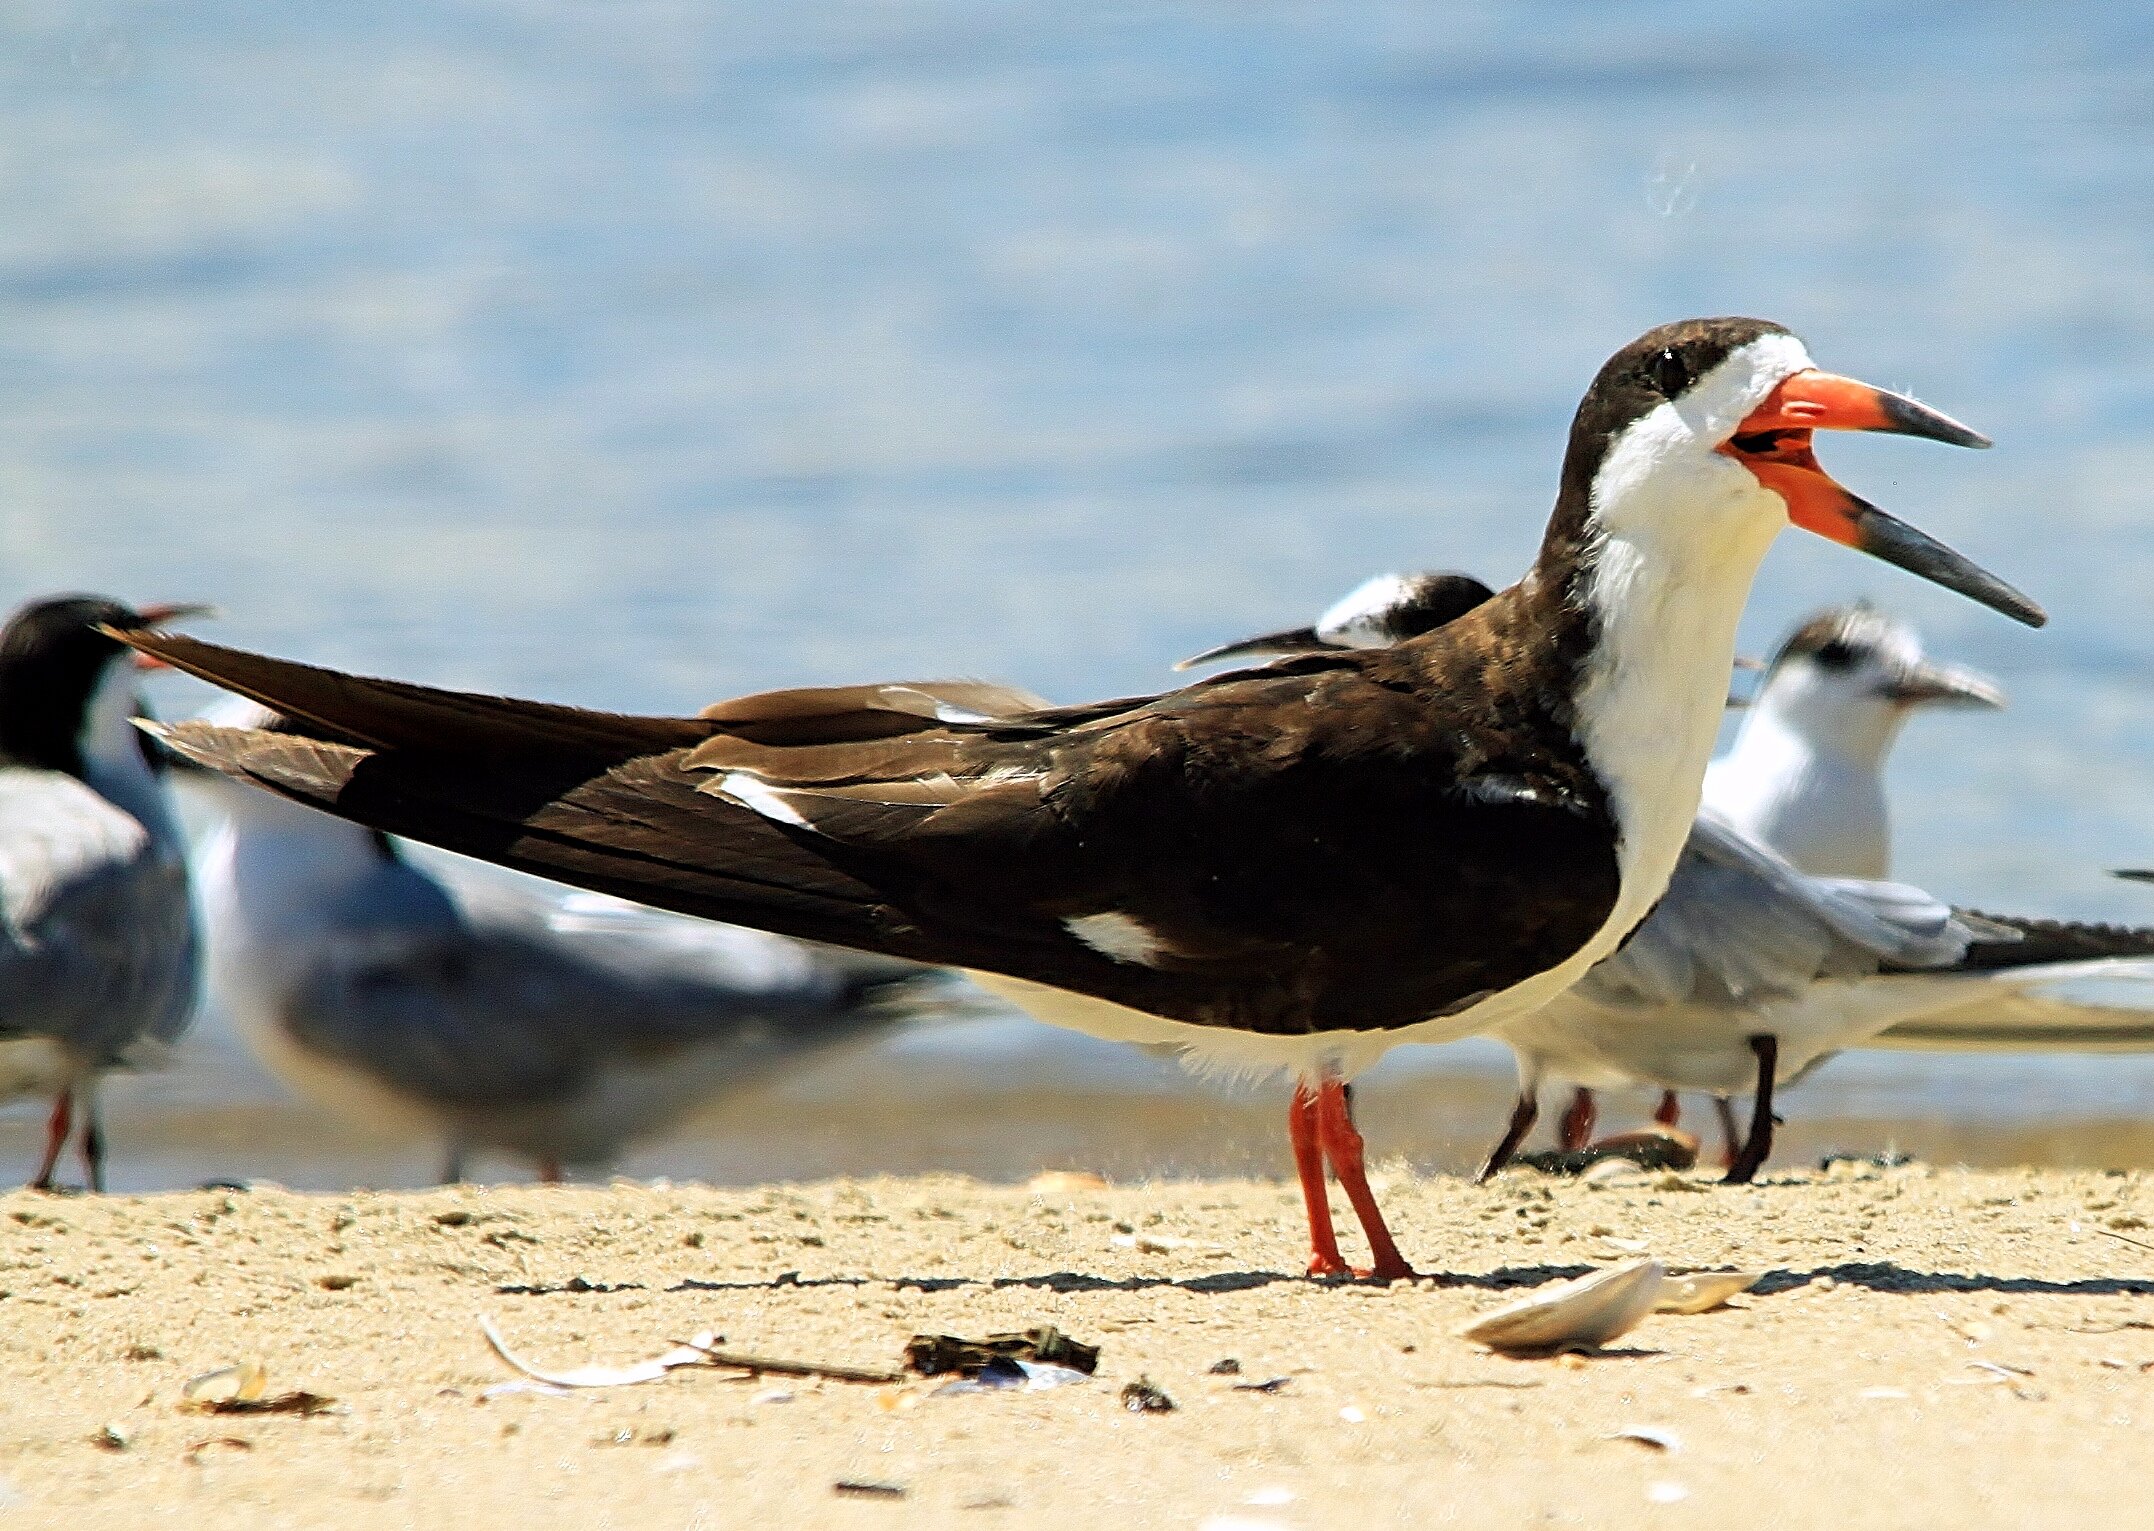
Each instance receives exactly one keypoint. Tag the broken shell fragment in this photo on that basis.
(243, 1383)
(1655, 1437)
(1703, 1291)
(1584, 1314)
(694, 1353)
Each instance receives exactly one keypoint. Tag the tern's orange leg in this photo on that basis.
(549, 1171)
(1576, 1129)
(1669, 1111)
(1730, 1134)
(56, 1130)
(1303, 1126)
(1342, 1146)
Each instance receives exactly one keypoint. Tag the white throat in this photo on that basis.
(1683, 529)
(1818, 802)
(273, 864)
(113, 764)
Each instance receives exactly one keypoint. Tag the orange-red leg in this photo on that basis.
(1730, 1134)
(1669, 1111)
(1342, 1146)
(1576, 1129)
(56, 1130)
(1305, 1130)
(549, 1171)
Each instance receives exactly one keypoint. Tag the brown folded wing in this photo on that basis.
(1325, 845)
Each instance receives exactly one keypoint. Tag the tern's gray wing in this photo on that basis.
(451, 1018)
(1739, 924)
(649, 947)
(484, 1018)
(97, 944)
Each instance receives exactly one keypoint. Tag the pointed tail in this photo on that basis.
(2057, 986)
(597, 800)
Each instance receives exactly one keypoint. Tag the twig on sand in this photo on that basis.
(778, 1368)
(698, 1352)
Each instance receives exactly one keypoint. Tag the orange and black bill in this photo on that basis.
(1774, 443)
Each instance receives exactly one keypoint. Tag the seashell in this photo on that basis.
(694, 1353)
(1584, 1314)
(1703, 1291)
(244, 1383)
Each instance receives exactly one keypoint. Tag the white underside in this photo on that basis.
(1210, 1050)
(2098, 1004)
(1825, 812)
(1707, 1047)
(36, 1066)
(348, 1091)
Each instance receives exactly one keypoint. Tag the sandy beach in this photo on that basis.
(1930, 1347)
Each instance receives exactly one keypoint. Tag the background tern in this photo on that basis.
(97, 936)
(1750, 970)
(495, 1012)
(1806, 771)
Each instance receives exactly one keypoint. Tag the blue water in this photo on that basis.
(639, 354)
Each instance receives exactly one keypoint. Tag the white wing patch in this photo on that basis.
(751, 791)
(1119, 936)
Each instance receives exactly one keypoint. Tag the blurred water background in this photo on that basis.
(637, 354)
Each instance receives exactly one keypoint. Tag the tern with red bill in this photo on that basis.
(97, 935)
(1287, 869)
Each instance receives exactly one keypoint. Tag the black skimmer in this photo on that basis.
(491, 1013)
(1806, 771)
(1293, 868)
(97, 943)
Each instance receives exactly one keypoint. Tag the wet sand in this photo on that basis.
(1932, 1347)
(1003, 1102)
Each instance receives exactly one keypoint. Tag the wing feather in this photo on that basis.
(1739, 925)
(1306, 847)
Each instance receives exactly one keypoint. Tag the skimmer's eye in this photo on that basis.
(1670, 374)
